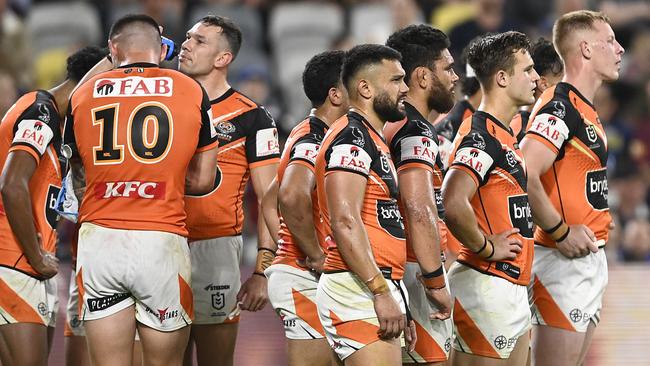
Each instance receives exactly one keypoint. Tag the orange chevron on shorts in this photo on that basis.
(471, 334)
(307, 311)
(551, 312)
(16, 306)
(187, 300)
(356, 330)
(427, 347)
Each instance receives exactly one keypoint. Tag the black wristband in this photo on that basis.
(568, 229)
(554, 228)
(491, 254)
(437, 273)
(259, 274)
(109, 58)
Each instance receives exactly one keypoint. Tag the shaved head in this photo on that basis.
(136, 32)
(575, 27)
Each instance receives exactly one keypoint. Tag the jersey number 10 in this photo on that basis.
(149, 133)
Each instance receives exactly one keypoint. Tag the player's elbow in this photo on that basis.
(419, 209)
(290, 200)
(199, 185)
(343, 224)
(11, 187)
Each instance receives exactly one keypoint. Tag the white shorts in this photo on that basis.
(216, 279)
(346, 310)
(434, 336)
(25, 299)
(567, 293)
(490, 313)
(120, 268)
(292, 293)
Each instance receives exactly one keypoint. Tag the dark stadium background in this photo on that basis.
(279, 36)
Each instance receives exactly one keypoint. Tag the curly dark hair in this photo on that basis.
(364, 55)
(80, 62)
(547, 61)
(322, 73)
(493, 52)
(420, 46)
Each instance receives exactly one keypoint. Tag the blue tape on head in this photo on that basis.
(172, 49)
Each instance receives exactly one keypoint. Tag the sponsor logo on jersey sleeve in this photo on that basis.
(35, 133)
(307, 151)
(551, 127)
(134, 86)
(267, 142)
(350, 157)
(476, 159)
(419, 148)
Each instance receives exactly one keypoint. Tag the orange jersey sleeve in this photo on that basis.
(32, 125)
(136, 128)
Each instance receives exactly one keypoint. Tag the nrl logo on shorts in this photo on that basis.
(218, 300)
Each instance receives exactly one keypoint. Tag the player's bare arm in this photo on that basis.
(254, 293)
(270, 209)
(14, 185)
(296, 206)
(572, 240)
(421, 217)
(353, 243)
(457, 191)
(201, 172)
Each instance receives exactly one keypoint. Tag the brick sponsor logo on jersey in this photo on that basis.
(34, 133)
(51, 216)
(476, 159)
(350, 157)
(596, 189)
(420, 148)
(520, 215)
(131, 189)
(551, 127)
(307, 151)
(134, 86)
(267, 142)
(390, 218)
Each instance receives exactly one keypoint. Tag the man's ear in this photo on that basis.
(502, 79)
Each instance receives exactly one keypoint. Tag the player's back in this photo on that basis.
(136, 130)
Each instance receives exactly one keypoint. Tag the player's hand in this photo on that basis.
(315, 264)
(391, 320)
(47, 264)
(253, 294)
(505, 246)
(440, 298)
(579, 243)
(411, 336)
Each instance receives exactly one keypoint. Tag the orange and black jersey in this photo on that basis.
(301, 148)
(567, 123)
(519, 123)
(414, 144)
(136, 128)
(247, 139)
(33, 125)
(352, 145)
(488, 152)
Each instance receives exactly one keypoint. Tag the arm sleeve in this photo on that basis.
(416, 144)
(207, 134)
(262, 137)
(351, 151)
(304, 151)
(36, 128)
(476, 154)
(553, 125)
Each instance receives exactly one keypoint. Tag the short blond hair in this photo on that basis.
(570, 23)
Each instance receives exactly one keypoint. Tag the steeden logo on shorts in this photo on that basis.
(131, 189)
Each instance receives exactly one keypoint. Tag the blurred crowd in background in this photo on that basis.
(280, 36)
